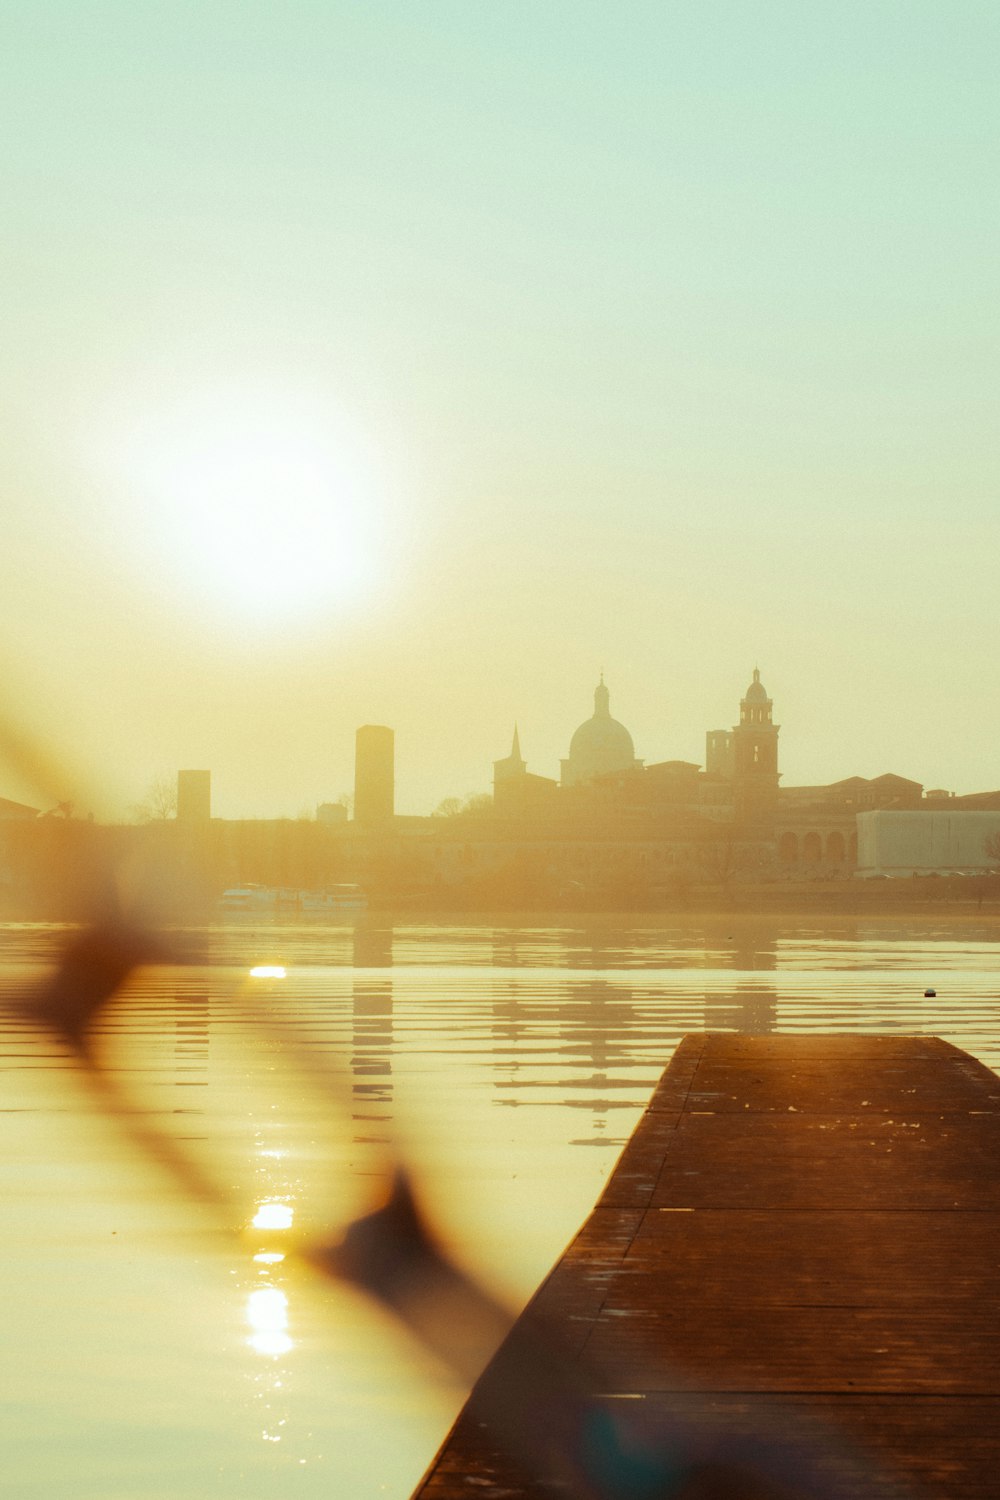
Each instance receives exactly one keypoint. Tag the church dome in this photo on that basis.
(756, 692)
(600, 746)
(605, 737)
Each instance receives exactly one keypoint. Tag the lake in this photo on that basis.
(160, 1350)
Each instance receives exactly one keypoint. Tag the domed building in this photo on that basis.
(599, 746)
(755, 707)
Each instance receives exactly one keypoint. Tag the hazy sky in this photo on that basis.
(410, 363)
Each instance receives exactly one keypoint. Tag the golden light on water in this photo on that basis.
(269, 1257)
(267, 1315)
(268, 971)
(273, 1215)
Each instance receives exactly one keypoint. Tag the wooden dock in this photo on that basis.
(803, 1230)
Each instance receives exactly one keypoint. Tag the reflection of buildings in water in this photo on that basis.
(593, 1023)
(752, 1008)
(372, 945)
(677, 942)
(505, 948)
(741, 944)
(751, 947)
(597, 943)
(596, 1020)
(533, 946)
(507, 1016)
(506, 1029)
(371, 1032)
(371, 1055)
(588, 1018)
(600, 944)
(191, 1030)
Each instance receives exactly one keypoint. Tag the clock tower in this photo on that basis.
(755, 756)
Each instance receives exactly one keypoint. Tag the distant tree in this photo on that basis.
(724, 860)
(159, 803)
(991, 847)
(61, 810)
(720, 861)
(474, 805)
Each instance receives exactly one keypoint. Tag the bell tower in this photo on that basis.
(755, 756)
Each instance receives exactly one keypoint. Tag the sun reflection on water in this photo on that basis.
(267, 1315)
(273, 1215)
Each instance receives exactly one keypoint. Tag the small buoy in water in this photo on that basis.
(930, 994)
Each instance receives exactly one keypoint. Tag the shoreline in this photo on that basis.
(852, 900)
(945, 899)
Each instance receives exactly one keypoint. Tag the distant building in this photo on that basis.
(746, 756)
(861, 794)
(614, 821)
(719, 753)
(924, 842)
(816, 828)
(510, 767)
(977, 801)
(9, 809)
(601, 745)
(516, 792)
(194, 796)
(374, 774)
(755, 756)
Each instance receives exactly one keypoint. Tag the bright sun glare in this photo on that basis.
(262, 501)
(273, 1215)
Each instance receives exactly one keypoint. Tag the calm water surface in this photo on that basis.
(150, 1353)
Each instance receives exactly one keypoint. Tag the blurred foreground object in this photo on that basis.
(541, 1420)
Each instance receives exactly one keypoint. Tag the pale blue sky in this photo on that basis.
(670, 332)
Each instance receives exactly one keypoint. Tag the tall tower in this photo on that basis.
(755, 756)
(194, 796)
(719, 753)
(374, 774)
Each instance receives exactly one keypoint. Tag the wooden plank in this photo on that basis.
(803, 1233)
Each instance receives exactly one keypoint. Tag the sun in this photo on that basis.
(261, 502)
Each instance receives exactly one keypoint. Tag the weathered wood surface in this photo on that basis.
(807, 1226)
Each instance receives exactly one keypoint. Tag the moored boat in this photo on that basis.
(264, 898)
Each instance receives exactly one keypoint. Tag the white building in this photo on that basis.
(917, 843)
